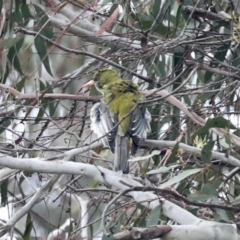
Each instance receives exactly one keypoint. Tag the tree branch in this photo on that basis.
(200, 12)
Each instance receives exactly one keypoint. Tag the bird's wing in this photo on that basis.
(139, 126)
(103, 124)
(110, 120)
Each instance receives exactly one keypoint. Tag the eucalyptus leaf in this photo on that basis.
(181, 176)
(28, 229)
(236, 201)
(217, 122)
(4, 192)
(40, 45)
(163, 169)
(7, 43)
(154, 217)
(207, 151)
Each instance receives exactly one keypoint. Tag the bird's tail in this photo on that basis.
(121, 154)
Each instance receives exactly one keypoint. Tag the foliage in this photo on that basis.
(49, 49)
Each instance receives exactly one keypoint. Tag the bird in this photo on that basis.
(120, 117)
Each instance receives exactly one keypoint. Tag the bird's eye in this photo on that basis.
(97, 77)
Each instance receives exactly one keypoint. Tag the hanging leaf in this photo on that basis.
(21, 84)
(141, 219)
(207, 151)
(4, 123)
(173, 157)
(43, 23)
(45, 28)
(12, 55)
(25, 13)
(220, 55)
(51, 104)
(154, 217)
(28, 229)
(42, 53)
(4, 191)
(44, 104)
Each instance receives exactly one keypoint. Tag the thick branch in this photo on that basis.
(144, 233)
(34, 96)
(183, 232)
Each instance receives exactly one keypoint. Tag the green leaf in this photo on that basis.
(44, 104)
(221, 215)
(12, 55)
(8, 43)
(51, 104)
(209, 190)
(28, 229)
(17, 4)
(178, 15)
(236, 201)
(42, 53)
(20, 84)
(237, 133)
(105, 237)
(156, 7)
(141, 219)
(4, 123)
(218, 122)
(181, 176)
(202, 132)
(163, 169)
(19, 44)
(1, 4)
(220, 55)
(25, 13)
(13, 58)
(4, 190)
(207, 151)
(173, 157)
(164, 9)
(10, 22)
(198, 196)
(227, 139)
(154, 217)
(43, 23)
(16, 17)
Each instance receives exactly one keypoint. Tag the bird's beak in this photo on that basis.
(88, 84)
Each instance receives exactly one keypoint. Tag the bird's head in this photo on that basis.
(102, 77)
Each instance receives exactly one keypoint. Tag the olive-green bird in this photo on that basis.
(119, 116)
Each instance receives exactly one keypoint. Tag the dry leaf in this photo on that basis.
(108, 23)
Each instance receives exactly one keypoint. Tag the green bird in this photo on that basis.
(120, 117)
